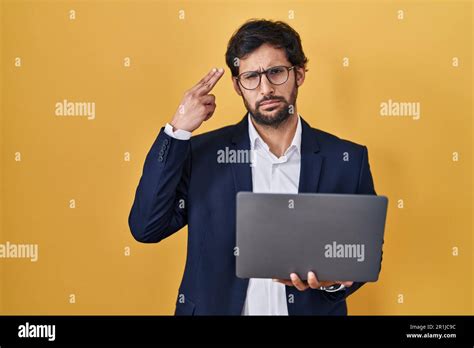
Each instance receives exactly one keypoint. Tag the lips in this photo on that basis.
(269, 102)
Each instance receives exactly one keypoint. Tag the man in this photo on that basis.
(184, 183)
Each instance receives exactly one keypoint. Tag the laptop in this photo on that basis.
(337, 236)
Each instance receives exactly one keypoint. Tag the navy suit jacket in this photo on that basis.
(183, 183)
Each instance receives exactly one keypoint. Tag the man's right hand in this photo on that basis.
(197, 105)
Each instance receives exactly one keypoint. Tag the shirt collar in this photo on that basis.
(256, 139)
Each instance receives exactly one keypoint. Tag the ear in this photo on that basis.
(236, 85)
(300, 75)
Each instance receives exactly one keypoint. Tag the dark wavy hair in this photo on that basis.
(256, 32)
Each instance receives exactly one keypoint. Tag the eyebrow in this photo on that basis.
(269, 66)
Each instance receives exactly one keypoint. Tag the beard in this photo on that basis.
(276, 115)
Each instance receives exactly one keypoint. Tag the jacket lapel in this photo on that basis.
(242, 172)
(311, 160)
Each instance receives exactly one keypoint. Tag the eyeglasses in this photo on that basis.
(276, 75)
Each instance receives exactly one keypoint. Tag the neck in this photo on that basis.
(278, 139)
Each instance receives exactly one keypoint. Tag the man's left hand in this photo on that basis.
(312, 282)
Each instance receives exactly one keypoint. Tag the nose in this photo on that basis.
(266, 88)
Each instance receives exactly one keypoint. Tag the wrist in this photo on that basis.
(177, 133)
(178, 126)
(173, 126)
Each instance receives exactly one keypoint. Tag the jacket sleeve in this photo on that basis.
(160, 205)
(365, 187)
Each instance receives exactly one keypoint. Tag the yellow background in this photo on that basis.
(81, 250)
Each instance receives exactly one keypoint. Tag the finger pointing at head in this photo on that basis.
(207, 85)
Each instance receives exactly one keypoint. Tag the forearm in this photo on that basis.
(153, 210)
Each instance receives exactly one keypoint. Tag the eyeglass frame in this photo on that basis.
(260, 73)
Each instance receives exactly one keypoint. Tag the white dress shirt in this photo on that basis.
(275, 175)
(269, 174)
